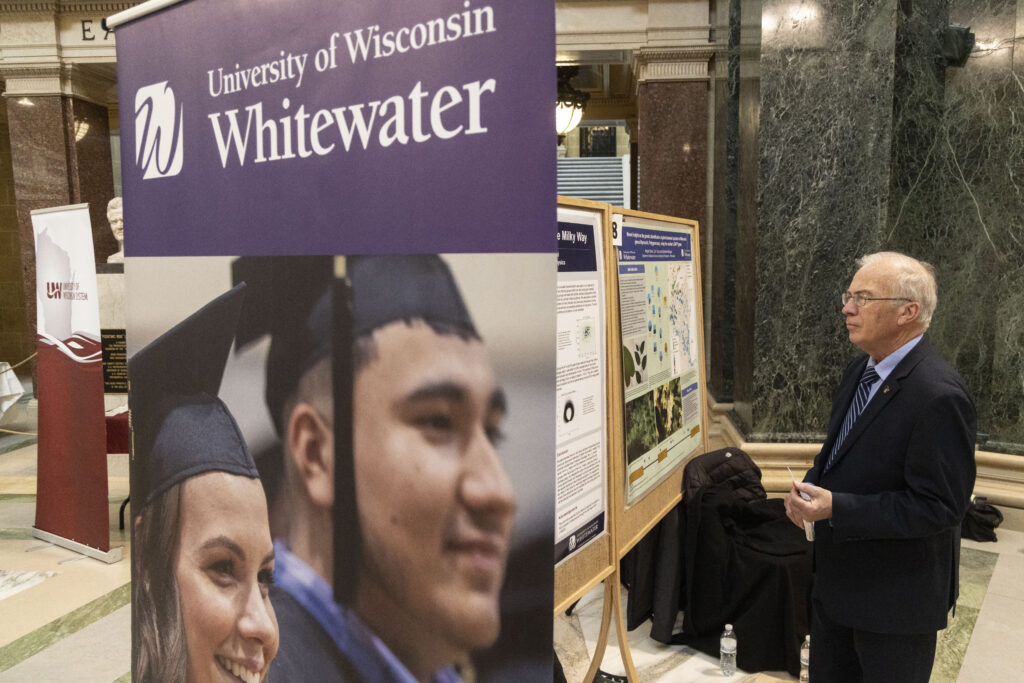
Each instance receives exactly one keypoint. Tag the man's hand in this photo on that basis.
(791, 510)
(807, 502)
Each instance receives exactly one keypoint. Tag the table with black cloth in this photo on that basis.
(746, 564)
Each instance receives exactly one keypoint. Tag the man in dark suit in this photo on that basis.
(890, 487)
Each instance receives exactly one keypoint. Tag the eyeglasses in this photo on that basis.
(862, 300)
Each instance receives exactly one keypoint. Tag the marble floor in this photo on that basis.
(983, 642)
(64, 616)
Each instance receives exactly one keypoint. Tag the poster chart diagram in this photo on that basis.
(660, 349)
(581, 448)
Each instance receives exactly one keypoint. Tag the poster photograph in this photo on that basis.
(658, 310)
(439, 470)
(340, 464)
(581, 455)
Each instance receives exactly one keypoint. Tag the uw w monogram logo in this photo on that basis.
(158, 131)
(53, 290)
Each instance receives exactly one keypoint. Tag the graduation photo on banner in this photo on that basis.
(342, 411)
(451, 513)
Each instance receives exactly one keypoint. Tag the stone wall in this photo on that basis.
(15, 343)
(867, 139)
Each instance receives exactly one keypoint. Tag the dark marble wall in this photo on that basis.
(747, 183)
(721, 248)
(672, 148)
(825, 127)
(866, 140)
(91, 168)
(957, 196)
(720, 330)
(15, 343)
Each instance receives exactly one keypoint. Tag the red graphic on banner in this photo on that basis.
(72, 480)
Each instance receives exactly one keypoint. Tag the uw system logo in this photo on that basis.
(158, 131)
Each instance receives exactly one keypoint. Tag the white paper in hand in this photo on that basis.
(808, 526)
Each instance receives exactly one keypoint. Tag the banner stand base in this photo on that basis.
(111, 556)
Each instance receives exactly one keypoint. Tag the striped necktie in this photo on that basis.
(859, 401)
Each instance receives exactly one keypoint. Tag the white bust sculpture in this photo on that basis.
(115, 216)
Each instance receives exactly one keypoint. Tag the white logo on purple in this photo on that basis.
(158, 131)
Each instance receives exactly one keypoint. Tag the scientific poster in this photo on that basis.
(581, 455)
(660, 350)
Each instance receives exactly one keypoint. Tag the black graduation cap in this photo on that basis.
(310, 315)
(290, 298)
(179, 426)
(407, 287)
(281, 292)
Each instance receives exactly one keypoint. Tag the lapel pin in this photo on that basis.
(885, 390)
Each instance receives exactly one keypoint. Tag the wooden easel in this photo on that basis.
(626, 524)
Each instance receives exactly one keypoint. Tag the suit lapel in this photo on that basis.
(885, 393)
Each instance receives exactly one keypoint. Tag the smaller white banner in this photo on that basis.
(68, 313)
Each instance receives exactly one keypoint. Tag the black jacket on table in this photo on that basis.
(887, 561)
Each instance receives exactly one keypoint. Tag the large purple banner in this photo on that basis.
(341, 280)
(338, 127)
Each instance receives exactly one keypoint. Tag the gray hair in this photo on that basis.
(911, 279)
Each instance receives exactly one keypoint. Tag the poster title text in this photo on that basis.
(257, 134)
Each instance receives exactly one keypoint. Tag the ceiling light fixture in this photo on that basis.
(569, 108)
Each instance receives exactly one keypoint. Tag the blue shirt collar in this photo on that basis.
(368, 653)
(890, 362)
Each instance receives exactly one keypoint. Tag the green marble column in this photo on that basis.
(868, 139)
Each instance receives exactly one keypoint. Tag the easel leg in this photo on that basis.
(620, 627)
(612, 606)
(602, 638)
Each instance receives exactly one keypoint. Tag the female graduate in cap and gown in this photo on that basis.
(203, 558)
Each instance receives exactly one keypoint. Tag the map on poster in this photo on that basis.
(660, 351)
(580, 450)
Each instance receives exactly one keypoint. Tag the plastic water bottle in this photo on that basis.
(728, 651)
(805, 660)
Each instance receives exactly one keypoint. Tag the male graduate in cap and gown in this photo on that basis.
(202, 557)
(397, 541)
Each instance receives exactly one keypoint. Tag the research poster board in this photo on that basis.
(71, 503)
(305, 130)
(581, 443)
(662, 356)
